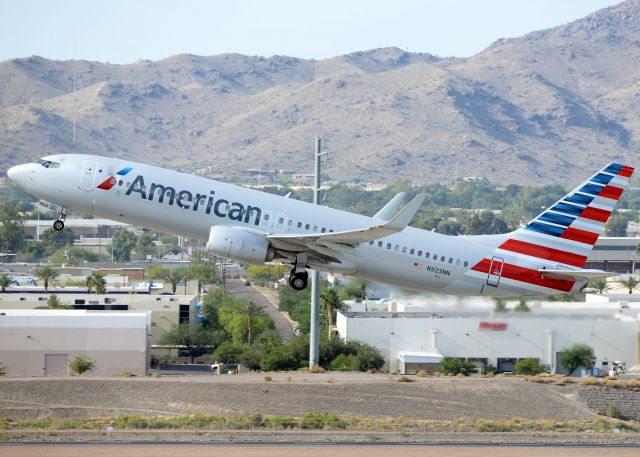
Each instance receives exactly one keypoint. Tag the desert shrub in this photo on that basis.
(529, 367)
(404, 379)
(81, 365)
(342, 362)
(316, 369)
(421, 374)
(268, 378)
(589, 381)
(454, 366)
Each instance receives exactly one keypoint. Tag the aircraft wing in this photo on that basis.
(358, 236)
(576, 274)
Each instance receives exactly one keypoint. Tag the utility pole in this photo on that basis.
(314, 340)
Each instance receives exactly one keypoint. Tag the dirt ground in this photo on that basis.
(172, 450)
(289, 394)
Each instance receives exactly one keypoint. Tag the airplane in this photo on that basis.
(544, 257)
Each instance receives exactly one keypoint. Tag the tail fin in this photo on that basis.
(566, 232)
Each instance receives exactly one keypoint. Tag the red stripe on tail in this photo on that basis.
(543, 252)
(581, 236)
(526, 275)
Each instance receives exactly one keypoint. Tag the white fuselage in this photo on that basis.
(413, 259)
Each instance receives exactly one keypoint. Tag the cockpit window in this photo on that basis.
(48, 163)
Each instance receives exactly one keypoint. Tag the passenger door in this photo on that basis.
(88, 176)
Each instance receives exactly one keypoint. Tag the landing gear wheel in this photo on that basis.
(58, 225)
(298, 281)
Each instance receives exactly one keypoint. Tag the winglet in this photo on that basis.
(405, 215)
(388, 210)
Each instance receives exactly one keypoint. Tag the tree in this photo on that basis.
(617, 225)
(72, 255)
(32, 250)
(484, 223)
(5, 281)
(630, 282)
(122, 243)
(89, 283)
(194, 338)
(173, 276)
(599, 284)
(11, 228)
(243, 320)
(146, 244)
(530, 367)
(578, 355)
(46, 274)
(330, 302)
(229, 352)
(55, 239)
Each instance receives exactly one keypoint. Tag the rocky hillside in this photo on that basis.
(547, 107)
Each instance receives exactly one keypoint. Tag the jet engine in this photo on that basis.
(239, 244)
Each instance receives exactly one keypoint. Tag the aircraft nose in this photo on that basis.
(18, 174)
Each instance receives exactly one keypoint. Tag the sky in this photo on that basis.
(118, 31)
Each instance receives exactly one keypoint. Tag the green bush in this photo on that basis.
(454, 366)
(277, 359)
(343, 362)
(613, 411)
(530, 367)
(81, 365)
(229, 352)
(3, 370)
(367, 358)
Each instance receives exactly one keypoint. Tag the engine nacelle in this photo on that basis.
(235, 243)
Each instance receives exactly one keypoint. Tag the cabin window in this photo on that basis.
(306, 226)
(435, 256)
(371, 243)
(397, 247)
(299, 224)
(315, 228)
(412, 251)
(441, 258)
(388, 245)
(290, 222)
(419, 253)
(457, 261)
(426, 254)
(466, 264)
(404, 249)
(379, 244)
(120, 183)
(450, 259)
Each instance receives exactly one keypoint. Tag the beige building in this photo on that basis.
(44, 342)
(166, 310)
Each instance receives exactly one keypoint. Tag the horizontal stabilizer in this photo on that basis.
(576, 274)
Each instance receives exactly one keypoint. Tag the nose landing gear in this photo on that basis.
(59, 224)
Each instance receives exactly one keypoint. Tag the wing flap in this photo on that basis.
(353, 237)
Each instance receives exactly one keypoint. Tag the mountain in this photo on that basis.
(550, 106)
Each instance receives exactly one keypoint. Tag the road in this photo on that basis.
(268, 300)
(315, 450)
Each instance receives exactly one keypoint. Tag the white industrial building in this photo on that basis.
(420, 338)
(45, 342)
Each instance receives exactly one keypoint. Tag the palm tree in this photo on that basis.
(54, 303)
(251, 310)
(90, 283)
(630, 282)
(174, 276)
(330, 301)
(599, 284)
(99, 283)
(5, 281)
(46, 274)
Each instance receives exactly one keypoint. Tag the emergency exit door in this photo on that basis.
(495, 271)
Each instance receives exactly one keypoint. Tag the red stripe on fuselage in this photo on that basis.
(595, 214)
(526, 275)
(611, 192)
(543, 252)
(581, 236)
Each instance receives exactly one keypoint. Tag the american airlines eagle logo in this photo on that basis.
(112, 180)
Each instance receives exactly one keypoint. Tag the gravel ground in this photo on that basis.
(290, 394)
